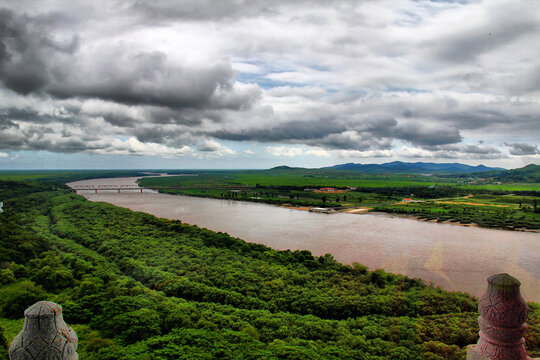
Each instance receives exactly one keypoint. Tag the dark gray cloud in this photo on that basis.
(351, 140)
(21, 66)
(289, 131)
(158, 11)
(426, 136)
(458, 151)
(479, 149)
(28, 52)
(325, 133)
(522, 149)
(345, 134)
(501, 26)
(39, 137)
(143, 78)
(478, 119)
(31, 115)
(205, 10)
(5, 123)
(33, 60)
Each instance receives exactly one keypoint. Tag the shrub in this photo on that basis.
(15, 298)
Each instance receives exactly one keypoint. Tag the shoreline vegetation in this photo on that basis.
(139, 287)
(442, 199)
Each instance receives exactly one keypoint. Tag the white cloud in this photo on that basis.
(3, 155)
(318, 153)
(362, 154)
(246, 68)
(132, 146)
(283, 151)
(214, 148)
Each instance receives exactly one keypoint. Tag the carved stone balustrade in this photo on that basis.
(503, 313)
(44, 335)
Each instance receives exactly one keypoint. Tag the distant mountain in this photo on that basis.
(397, 167)
(529, 174)
(285, 167)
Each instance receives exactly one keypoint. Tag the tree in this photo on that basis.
(3, 346)
(133, 326)
(15, 298)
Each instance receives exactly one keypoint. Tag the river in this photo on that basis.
(451, 256)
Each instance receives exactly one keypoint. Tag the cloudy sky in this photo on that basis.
(255, 84)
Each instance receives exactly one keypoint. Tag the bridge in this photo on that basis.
(132, 187)
(97, 188)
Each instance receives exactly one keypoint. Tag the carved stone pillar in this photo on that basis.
(503, 313)
(44, 335)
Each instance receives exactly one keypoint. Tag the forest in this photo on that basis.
(134, 286)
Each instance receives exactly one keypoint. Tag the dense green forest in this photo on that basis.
(138, 287)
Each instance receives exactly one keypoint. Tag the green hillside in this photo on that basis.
(528, 174)
(138, 287)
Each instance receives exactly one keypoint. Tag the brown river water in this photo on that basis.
(451, 256)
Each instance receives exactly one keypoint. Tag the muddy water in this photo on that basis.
(454, 257)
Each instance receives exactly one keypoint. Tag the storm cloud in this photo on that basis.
(523, 149)
(33, 60)
(321, 80)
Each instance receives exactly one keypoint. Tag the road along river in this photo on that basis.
(454, 257)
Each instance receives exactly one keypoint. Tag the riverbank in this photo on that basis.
(448, 222)
(389, 209)
(444, 203)
(454, 257)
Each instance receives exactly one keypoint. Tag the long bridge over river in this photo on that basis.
(96, 188)
(133, 187)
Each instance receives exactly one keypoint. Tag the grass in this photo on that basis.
(11, 327)
(490, 215)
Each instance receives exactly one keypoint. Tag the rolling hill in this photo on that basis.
(397, 167)
(528, 174)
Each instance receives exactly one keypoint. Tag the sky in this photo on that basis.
(256, 84)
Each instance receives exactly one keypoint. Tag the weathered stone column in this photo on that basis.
(44, 335)
(503, 313)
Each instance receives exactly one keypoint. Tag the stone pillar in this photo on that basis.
(503, 313)
(44, 335)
